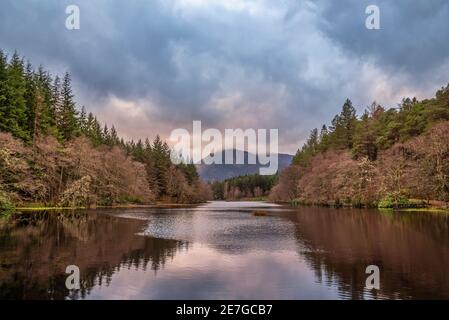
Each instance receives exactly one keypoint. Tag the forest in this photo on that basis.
(253, 186)
(53, 153)
(396, 157)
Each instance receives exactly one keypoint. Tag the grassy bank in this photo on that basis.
(123, 206)
(6, 206)
(255, 199)
(405, 205)
(430, 209)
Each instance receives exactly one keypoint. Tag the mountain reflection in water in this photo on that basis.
(221, 250)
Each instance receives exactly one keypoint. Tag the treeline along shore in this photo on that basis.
(247, 187)
(388, 158)
(53, 153)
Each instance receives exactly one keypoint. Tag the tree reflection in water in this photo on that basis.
(36, 248)
(291, 253)
(411, 250)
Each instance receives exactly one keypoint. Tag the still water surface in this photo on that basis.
(220, 250)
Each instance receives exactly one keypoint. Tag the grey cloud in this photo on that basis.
(414, 35)
(289, 66)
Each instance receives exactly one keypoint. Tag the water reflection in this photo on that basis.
(35, 249)
(411, 249)
(220, 250)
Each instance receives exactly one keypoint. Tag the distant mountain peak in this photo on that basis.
(219, 172)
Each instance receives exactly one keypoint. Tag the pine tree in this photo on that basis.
(14, 109)
(3, 76)
(343, 126)
(105, 135)
(308, 150)
(114, 137)
(324, 138)
(38, 114)
(68, 122)
(48, 114)
(90, 124)
(364, 139)
(189, 171)
(130, 145)
(97, 134)
(31, 96)
(158, 165)
(82, 121)
(138, 152)
(56, 95)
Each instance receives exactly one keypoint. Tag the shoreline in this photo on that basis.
(122, 206)
(411, 208)
(163, 205)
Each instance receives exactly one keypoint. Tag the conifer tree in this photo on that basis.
(82, 121)
(324, 138)
(105, 135)
(343, 126)
(158, 165)
(114, 136)
(3, 76)
(30, 100)
(364, 139)
(97, 134)
(68, 122)
(13, 109)
(138, 152)
(48, 113)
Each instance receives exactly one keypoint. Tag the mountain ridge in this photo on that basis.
(220, 172)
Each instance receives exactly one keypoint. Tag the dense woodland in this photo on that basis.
(243, 187)
(387, 158)
(54, 153)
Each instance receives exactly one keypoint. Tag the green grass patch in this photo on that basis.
(47, 208)
(444, 210)
(254, 199)
(297, 202)
(6, 206)
(390, 202)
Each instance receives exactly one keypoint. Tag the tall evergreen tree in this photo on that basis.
(83, 121)
(105, 135)
(364, 139)
(138, 152)
(343, 126)
(67, 122)
(32, 112)
(3, 76)
(48, 113)
(158, 166)
(97, 134)
(14, 109)
(308, 150)
(324, 138)
(114, 136)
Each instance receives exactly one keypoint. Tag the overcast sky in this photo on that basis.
(153, 66)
